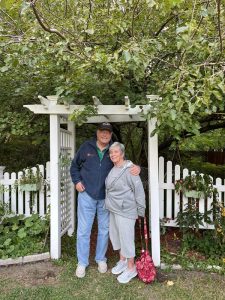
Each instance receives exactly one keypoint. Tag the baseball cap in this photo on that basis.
(105, 126)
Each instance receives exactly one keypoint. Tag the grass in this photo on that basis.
(57, 282)
(187, 285)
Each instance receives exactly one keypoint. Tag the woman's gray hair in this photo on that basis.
(119, 145)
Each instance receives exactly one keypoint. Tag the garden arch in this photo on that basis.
(62, 143)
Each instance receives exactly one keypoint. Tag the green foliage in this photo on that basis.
(18, 152)
(4, 208)
(110, 49)
(31, 177)
(77, 49)
(210, 243)
(191, 218)
(197, 162)
(20, 236)
(30, 181)
(199, 182)
(81, 116)
(205, 242)
(65, 159)
(205, 142)
(218, 211)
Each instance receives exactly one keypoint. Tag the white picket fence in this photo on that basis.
(171, 202)
(19, 201)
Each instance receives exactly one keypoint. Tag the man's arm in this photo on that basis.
(79, 187)
(75, 172)
(135, 170)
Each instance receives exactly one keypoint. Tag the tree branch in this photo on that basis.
(41, 21)
(164, 25)
(167, 143)
(193, 35)
(44, 26)
(133, 16)
(219, 26)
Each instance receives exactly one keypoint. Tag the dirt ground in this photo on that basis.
(40, 273)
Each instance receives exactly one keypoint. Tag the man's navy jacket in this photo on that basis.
(87, 168)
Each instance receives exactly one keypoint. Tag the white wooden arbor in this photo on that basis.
(62, 142)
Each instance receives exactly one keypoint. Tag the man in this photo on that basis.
(89, 170)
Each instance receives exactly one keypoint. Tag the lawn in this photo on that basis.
(56, 280)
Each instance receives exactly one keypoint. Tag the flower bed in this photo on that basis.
(21, 236)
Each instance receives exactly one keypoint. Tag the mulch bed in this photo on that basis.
(171, 241)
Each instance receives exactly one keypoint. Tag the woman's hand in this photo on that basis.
(135, 170)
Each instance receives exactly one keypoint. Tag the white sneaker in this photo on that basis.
(80, 271)
(102, 266)
(127, 275)
(119, 267)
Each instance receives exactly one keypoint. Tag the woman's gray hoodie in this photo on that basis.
(125, 194)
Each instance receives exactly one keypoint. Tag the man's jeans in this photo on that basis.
(87, 208)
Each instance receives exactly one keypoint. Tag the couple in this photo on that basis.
(107, 184)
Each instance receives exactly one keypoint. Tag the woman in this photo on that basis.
(125, 199)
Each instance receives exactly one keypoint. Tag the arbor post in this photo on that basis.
(153, 192)
(55, 212)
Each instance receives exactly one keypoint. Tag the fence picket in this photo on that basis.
(13, 194)
(176, 195)
(27, 203)
(6, 191)
(184, 199)
(169, 191)
(20, 197)
(48, 190)
(161, 191)
(41, 195)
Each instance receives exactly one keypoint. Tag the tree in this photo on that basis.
(76, 49)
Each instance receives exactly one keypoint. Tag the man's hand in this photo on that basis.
(135, 170)
(79, 187)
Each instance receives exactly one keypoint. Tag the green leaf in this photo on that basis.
(11, 248)
(191, 108)
(21, 233)
(4, 69)
(28, 223)
(173, 114)
(221, 85)
(151, 3)
(7, 242)
(181, 29)
(15, 227)
(218, 95)
(90, 31)
(127, 55)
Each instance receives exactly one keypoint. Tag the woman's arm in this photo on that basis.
(139, 194)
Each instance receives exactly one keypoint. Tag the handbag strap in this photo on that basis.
(115, 180)
(145, 236)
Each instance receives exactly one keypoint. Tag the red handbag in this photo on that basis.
(144, 264)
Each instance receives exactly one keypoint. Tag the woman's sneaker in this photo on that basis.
(119, 267)
(127, 275)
